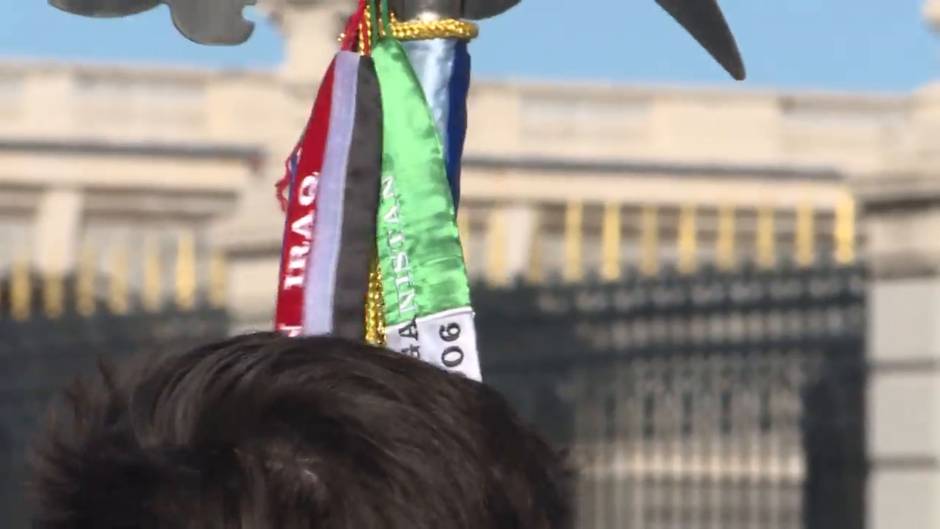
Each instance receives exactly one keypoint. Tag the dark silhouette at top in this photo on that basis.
(221, 22)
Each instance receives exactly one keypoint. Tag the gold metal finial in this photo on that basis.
(805, 236)
(21, 288)
(152, 295)
(766, 238)
(688, 240)
(496, 269)
(725, 243)
(649, 240)
(611, 238)
(53, 295)
(218, 280)
(375, 308)
(449, 28)
(118, 302)
(186, 271)
(85, 282)
(574, 236)
(845, 234)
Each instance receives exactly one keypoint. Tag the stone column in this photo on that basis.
(310, 29)
(932, 12)
(902, 218)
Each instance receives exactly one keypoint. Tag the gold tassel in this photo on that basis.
(375, 308)
(365, 29)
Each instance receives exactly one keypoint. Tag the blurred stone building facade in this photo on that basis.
(165, 178)
(132, 160)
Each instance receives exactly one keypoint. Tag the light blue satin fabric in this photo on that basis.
(433, 63)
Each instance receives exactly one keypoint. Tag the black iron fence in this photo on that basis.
(712, 400)
(40, 355)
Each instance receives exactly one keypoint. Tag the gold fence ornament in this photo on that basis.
(766, 237)
(805, 236)
(218, 280)
(725, 247)
(21, 288)
(687, 239)
(845, 231)
(649, 240)
(86, 276)
(574, 237)
(53, 295)
(118, 294)
(152, 295)
(185, 271)
(611, 239)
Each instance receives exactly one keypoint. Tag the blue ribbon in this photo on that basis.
(443, 70)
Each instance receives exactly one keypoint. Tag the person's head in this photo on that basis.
(267, 432)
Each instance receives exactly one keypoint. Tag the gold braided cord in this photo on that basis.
(411, 30)
(449, 28)
(375, 308)
(365, 29)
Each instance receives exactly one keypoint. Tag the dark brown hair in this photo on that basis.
(267, 432)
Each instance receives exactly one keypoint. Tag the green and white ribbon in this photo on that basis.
(424, 278)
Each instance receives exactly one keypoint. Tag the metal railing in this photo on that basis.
(572, 242)
(712, 400)
(42, 351)
(135, 277)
